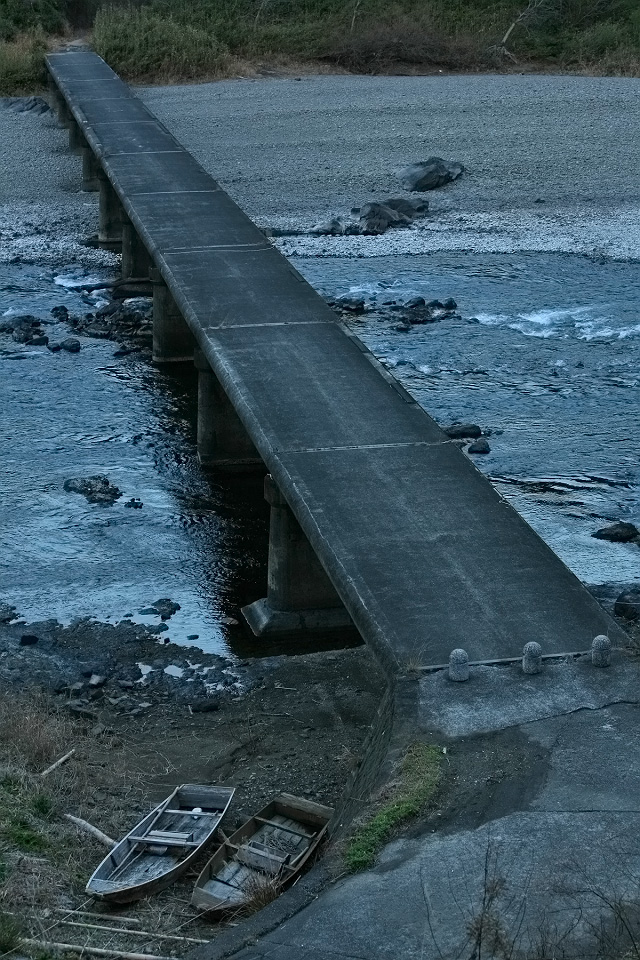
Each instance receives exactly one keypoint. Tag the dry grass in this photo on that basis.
(261, 890)
(22, 63)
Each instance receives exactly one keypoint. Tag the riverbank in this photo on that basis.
(292, 724)
(178, 41)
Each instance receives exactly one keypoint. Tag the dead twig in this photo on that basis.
(89, 828)
(94, 951)
(135, 933)
(98, 916)
(58, 763)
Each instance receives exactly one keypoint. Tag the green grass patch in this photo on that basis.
(419, 778)
(42, 806)
(22, 835)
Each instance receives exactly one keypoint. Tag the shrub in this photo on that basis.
(598, 40)
(141, 43)
(22, 64)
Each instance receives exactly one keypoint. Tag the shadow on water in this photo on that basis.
(200, 538)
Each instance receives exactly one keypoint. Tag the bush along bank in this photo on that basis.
(167, 40)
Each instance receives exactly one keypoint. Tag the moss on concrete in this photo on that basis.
(416, 786)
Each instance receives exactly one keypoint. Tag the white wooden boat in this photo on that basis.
(163, 845)
(260, 859)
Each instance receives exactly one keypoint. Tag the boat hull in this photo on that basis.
(263, 857)
(163, 846)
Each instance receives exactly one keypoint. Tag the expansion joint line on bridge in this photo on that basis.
(407, 445)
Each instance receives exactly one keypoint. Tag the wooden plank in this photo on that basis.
(163, 842)
(194, 795)
(230, 870)
(224, 892)
(303, 811)
(261, 860)
(169, 835)
(281, 826)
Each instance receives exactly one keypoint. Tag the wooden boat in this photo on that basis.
(260, 859)
(163, 845)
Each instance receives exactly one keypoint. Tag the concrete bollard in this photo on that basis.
(601, 651)
(458, 665)
(532, 658)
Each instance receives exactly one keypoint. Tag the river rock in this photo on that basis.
(463, 431)
(165, 608)
(480, 446)
(376, 218)
(430, 174)
(24, 328)
(450, 304)
(40, 341)
(415, 302)
(620, 532)
(329, 228)
(204, 705)
(34, 105)
(628, 604)
(96, 489)
(411, 207)
(60, 313)
(54, 347)
(351, 304)
(71, 345)
(7, 612)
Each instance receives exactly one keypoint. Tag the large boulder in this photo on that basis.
(430, 174)
(375, 218)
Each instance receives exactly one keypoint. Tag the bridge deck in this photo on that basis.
(422, 550)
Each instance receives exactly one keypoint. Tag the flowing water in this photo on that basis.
(545, 355)
(197, 540)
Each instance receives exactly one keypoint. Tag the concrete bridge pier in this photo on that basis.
(90, 170)
(76, 139)
(111, 215)
(58, 102)
(173, 342)
(301, 601)
(136, 262)
(223, 442)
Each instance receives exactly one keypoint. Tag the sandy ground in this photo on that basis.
(551, 161)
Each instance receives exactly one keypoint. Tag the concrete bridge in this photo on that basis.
(378, 520)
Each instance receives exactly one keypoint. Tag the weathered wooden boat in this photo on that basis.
(260, 859)
(163, 845)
